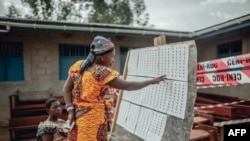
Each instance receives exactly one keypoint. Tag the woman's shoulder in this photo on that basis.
(99, 69)
(76, 66)
(103, 74)
(45, 127)
(47, 124)
(78, 63)
(50, 124)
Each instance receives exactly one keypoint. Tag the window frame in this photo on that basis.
(69, 53)
(11, 61)
(229, 46)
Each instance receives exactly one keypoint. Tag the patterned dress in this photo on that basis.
(89, 89)
(56, 129)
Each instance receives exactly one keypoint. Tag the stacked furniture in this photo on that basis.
(27, 110)
(213, 111)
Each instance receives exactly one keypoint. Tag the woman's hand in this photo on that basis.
(71, 116)
(157, 80)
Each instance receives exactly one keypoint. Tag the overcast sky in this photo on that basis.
(191, 15)
(180, 15)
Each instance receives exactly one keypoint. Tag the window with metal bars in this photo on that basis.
(229, 49)
(11, 61)
(68, 55)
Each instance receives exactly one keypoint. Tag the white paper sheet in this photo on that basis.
(161, 96)
(132, 62)
(156, 127)
(132, 117)
(144, 122)
(177, 99)
(144, 112)
(123, 112)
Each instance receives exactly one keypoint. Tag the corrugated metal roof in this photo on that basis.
(65, 26)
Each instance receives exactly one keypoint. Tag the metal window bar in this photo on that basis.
(11, 65)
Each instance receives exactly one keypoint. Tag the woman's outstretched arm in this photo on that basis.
(134, 85)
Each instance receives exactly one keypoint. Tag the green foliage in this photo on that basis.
(141, 18)
(13, 12)
(65, 10)
(115, 12)
(123, 12)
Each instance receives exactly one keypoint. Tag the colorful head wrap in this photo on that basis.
(100, 45)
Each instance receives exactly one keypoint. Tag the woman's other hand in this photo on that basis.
(71, 116)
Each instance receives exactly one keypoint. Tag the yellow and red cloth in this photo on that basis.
(88, 92)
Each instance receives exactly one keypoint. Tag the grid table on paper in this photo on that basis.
(132, 63)
(165, 62)
(177, 99)
(136, 95)
(148, 96)
(144, 122)
(123, 111)
(150, 106)
(160, 101)
(156, 127)
(132, 117)
(142, 62)
(179, 61)
(152, 63)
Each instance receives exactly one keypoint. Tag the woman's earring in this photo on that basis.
(101, 58)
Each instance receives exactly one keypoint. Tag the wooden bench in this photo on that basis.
(221, 113)
(224, 113)
(204, 112)
(24, 125)
(28, 103)
(199, 134)
(243, 109)
(27, 110)
(214, 98)
(202, 132)
(203, 118)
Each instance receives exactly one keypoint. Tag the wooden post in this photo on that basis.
(160, 40)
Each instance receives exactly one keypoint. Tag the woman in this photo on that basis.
(52, 128)
(85, 87)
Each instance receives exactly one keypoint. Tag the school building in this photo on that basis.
(36, 55)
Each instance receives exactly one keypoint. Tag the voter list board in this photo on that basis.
(162, 111)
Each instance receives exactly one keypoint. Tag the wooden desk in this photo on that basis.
(200, 120)
(205, 111)
(204, 132)
(197, 134)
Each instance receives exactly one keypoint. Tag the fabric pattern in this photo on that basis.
(56, 129)
(88, 92)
